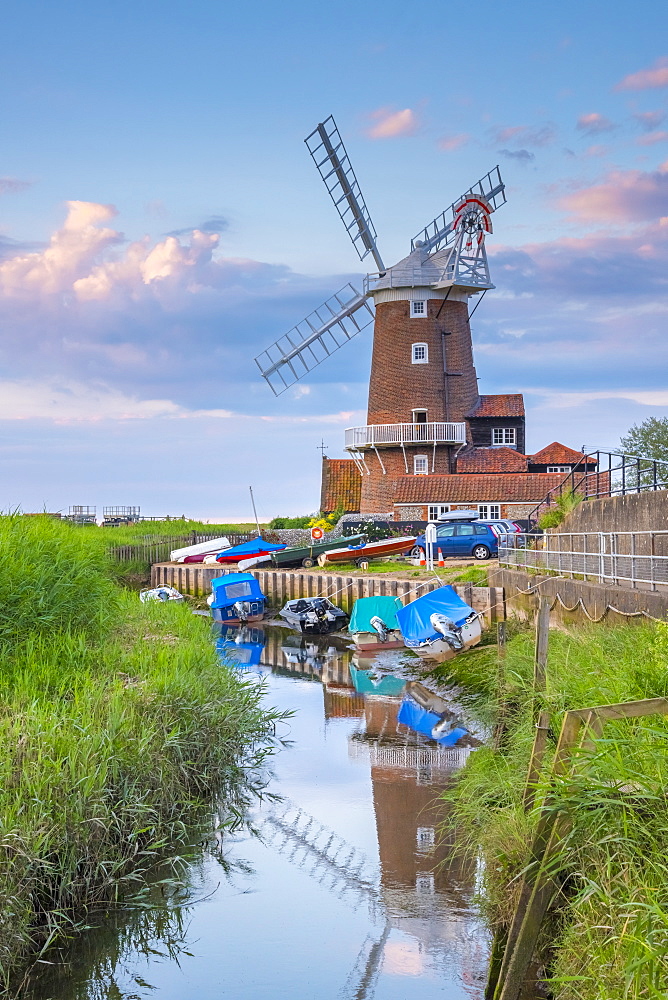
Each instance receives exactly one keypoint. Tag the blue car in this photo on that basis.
(461, 538)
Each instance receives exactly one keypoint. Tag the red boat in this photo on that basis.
(370, 550)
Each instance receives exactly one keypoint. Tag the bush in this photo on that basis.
(290, 522)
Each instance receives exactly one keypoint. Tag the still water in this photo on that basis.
(343, 889)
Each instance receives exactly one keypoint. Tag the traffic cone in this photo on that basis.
(441, 560)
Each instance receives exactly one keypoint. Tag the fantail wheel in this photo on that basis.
(472, 220)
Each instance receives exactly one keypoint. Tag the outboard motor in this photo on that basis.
(242, 609)
(379, 626)
(447, 628)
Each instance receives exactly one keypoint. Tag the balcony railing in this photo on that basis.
(385, 435)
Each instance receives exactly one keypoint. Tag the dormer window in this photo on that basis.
(419, 354)
(418, 309)
(559, 468)
(503, 436)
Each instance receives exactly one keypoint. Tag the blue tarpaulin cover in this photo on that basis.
(414, 617)
(421, 721)
(235, 587)
(255, 547)
(365, 608)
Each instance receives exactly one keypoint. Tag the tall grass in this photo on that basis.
(117, 723)
(609, 936)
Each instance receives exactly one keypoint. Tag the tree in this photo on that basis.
(648, 439)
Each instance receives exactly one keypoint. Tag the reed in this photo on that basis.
(118, 723)
(609, 936)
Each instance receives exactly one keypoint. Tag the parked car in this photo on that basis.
(461, 538)
(503, 527)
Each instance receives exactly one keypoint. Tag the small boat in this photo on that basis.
(439, 625)
(368, 550)
(196, 553)
(314, 614)
(304, 555)
(373, 623)
(241, 647)
(248, 550)
(163, 593)
(236, 599)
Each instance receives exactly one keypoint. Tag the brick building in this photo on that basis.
(432, 442)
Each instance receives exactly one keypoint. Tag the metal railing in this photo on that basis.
(375, 435)
(625, 558)
(615, 474)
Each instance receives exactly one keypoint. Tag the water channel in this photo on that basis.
(342, 889)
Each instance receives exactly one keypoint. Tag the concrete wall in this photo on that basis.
(285, 585)
(635, 512)
(587, 600)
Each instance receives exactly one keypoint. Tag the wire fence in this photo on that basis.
(623, 558)
(157, 548)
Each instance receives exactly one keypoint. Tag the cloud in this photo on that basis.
(594, 123)
(649, 120)
(526, 135)
(448, 143)
(647, 79)
(596, 150)
(652, 138)
(389, 124)
(12, 185)
(521, 155)
(622, 196)
(216, 224)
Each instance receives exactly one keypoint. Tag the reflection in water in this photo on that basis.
(345, 890)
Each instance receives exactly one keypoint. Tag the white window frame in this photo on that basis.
(415, 360)
(435, 510)
(419, 409)
(419, 309)
(560, 468)
(419, 459)
(507, 436)
(489, 511)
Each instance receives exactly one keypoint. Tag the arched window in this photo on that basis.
(420, 465)
(420, 354)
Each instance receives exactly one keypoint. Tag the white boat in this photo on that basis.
(439, 625)
(163, 593)
(192, 553)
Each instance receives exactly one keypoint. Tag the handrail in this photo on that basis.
(636, 474)
(437, 432)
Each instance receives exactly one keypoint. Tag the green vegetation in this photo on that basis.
(118, 723)
(567, 502)
(477, 575)
(648, 439)
(609, 937)
(290, 522)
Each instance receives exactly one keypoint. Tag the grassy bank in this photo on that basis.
(117, 724)
(609, 935)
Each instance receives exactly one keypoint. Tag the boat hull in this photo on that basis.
(372, 550)
(370, 641)
(439, 650)
(228, 616)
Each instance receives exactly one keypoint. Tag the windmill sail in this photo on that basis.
(441, 231)
(330, 157)
(327, 328)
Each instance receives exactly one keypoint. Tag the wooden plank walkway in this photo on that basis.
(284, 585)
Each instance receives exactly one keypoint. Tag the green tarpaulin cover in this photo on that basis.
(366, 608)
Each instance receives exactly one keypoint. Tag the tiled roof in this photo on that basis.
(508, 488)
(491, 460)
(558, 454)
(509, 405)
(341, 485)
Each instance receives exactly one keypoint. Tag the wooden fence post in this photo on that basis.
(542, 642)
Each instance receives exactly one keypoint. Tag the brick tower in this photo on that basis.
(423, 381)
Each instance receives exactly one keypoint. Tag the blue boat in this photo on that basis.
(430, 724)
(254, 549)
(439, 625)
(236, 599)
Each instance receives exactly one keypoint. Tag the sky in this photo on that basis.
(161, 223)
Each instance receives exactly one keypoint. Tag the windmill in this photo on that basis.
(450, 253)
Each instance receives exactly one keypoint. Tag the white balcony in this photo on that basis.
(391, 435)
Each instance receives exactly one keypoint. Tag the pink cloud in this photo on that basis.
(449, 143)
(526, 135)
(389, 124)
(649, 120)
(647, 79)
(594, 123)
(652, 138)
(622, 196)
